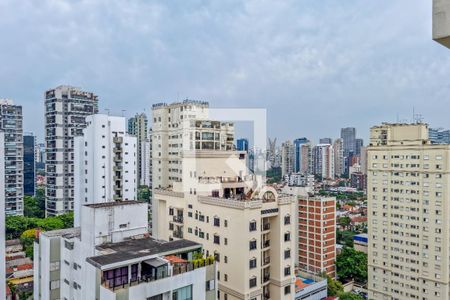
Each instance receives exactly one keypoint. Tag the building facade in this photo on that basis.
(298, 154)
(112, 257)
(287, 158)
(242, 145)
(29, 164)
(326, 141)
(408, 214)
(339, 163)
(66, 109)
(105, 163)
(441, 22)
(11, 122)
(348, 136)
(317, 235)
(323, 160)
(138, 127)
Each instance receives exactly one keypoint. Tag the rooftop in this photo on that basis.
(66, 233)
(139, 248)
(113, 204)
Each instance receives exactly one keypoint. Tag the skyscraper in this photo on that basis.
(105, 163)
(12, 125)
(338, 157)
(348, 136)
(298, 153)
(439, 136)
(66, 109)
(326, 141)
(138, 126)
(408, 214)
(242, 145)
(29, 164)
(323, 160)
(287, 158)
(359, 143)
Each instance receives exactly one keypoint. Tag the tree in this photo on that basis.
(350, 296)
(27, 240)
(144, 193)
(335, 287)
(66, 219)
(345, 221)
(352, 264)
(15, 225)
(345, 237)
(35, 206)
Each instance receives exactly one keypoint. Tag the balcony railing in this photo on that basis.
(178, 219)
(265, 244)
(265, 227)
(178, 234)
(265, 261)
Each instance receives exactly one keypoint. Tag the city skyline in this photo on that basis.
(313, 57)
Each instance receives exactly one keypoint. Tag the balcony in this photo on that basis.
(117, 168)
(178, 219)
(178, 234)
(265, 227)
(265, 279)
(118, 150)
(265, 245)
(265, 261)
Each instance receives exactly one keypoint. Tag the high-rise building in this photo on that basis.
(272, 153)
(105, 163)
(242, 145)
(441, 22)
(348, 136)
(287, 158)
(111, 256)
(247, 226)
(298, 154)
(359, 143)
(317, 235)
(363, 160)
(40, 156)
(323, 158)
(339, 163)
(326, 141)
(29, 164)
(439, 136)
(306, 161)
(138, 126)
(2, 218)
(66, 109)
(408, 214)
(12, 125)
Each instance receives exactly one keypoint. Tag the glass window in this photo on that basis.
(184, 293)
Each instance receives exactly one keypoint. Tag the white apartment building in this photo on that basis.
(12, 125)
(287, 158)
(409, 217)
(138, 127)
(2, 218)
(323, 160)
(104, 163)
(112, 257)
(299, 179)
(339, 163)
(66, 109)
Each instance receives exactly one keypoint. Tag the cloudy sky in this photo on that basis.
(315, 65)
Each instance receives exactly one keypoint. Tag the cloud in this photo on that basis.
(315, 65)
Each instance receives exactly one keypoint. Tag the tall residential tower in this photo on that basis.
(66, 109)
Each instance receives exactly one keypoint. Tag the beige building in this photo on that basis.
(441, 22)
(409, 217)
(249, 230)
(287, 158)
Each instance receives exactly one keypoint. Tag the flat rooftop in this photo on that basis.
(66, 233)
(139, 248)
(114, 203)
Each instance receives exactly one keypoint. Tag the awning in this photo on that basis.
(155, 262)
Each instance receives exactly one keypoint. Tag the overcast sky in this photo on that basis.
(315, 65)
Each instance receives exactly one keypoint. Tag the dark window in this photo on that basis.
(287, 237)
(217, 239)
(252, 226)
(287, 254)
(287, 289)
(287, 220)
(253, 245)
(252, 263)
(216, 222)
(287, 271)
(252, 282)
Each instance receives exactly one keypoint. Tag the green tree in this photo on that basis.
(350, 296)
(51, 223)
(345, 237)
(345, 221)
(352, 264)
(15, 225)
(66, 219)
(27, 239)
(334, 287)
(35, 206)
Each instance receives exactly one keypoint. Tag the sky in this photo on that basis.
(316, 66)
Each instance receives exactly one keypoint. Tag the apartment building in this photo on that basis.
(348, 136)
(2, 218)
(249, 230)
(317, 235)
(298, 179)
(138, 127)
(29, 164)
(66, 109)
(111, 256)
(12, 125)
(408, 214)
(338, 147)
(105, 166)
(287, 158)
(323, 161)
(298, 155)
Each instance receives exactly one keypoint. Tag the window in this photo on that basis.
(252, 263)
(217, 239)
(184, 293)
(252, 282)
(225, 223)
(287, 254)
(225, 278)
(252, 226)
(287, 236)
(157, 297)
(287, 220)
(287, 271)
(287, 290)
(252, 245)
(54, 284)
(216, 222)
(210, 285)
